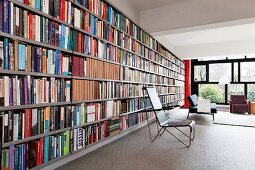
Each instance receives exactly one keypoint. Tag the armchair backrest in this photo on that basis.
(156, 104)
(192, 100)
(204, 106)
(238, 99)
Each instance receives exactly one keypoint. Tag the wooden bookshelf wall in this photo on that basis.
(95, 80)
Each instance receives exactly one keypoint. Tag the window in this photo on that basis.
(235, 89)
(214, 92)
(251, 92)
(218, 70)
(200, 73)
(247, 71)
(236, 72)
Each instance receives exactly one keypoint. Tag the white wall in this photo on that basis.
(128, 9)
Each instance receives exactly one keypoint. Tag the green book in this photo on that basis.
(67, 142)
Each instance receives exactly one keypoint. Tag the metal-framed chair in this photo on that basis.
(164, 122)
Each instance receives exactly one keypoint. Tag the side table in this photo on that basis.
(252, 108)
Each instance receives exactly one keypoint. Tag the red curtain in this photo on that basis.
(187, 82)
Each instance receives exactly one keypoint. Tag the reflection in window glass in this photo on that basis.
(247, 71)
(200, 73)
(235, 89)
(218, 70)
(214, 92)
(251, 92)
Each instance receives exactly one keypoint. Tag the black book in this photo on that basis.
(20, 125)
(10, 126)
(57, 111)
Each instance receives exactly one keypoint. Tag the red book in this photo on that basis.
(61, 63)
(81, 67)
(31, 29)
(75, 66)
(79, 42)
(34, 152)
(64, 10)
(40, 154)
(61, 9)
(28, 122)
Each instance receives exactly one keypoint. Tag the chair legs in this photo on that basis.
(188, 115)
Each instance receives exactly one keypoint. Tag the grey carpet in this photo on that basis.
(214, 148)
(226, 118)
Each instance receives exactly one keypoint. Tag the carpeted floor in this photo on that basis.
(215, 147)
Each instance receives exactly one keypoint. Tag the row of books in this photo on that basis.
(38, 28)
(36, 152)
(83, 136)
(169, 89)
(24, 57)
(133, 75)
(60, 9)
(90, 112)
(91, 90)
(128, 121)
(101, 69)
(24, 90)
(20, 124)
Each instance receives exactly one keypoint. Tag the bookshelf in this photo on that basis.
(71, 76)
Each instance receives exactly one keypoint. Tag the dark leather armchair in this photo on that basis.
(238, 104)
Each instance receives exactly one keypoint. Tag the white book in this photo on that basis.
(15, 126)
(69, 13)
(23, 126)
(47, 91)
(75, 140)
(17, 17)
(11, 17)
(6, 90)
(66, 36)
(68, 91)
(14, 90)
(77, 17)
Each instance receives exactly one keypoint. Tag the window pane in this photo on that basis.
(218, 70)
(251, 92)
(247, 71)
(235, 72)
(200, 73)
(215, 92)
(235, 89)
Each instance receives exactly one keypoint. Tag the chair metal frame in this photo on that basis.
(163, 127)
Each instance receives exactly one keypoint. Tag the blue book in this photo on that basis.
(57, 66)
(6, 54)
(20, 156)
(5, 16)
(63, 30)
(16, 158)
(22, 57)
(24, 156)
(46, 149)
(38, 5)
(74, 117)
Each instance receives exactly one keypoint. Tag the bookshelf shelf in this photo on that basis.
(12, 72)
(148, 58)
(19, 107)
(37, 43)
(34, 137)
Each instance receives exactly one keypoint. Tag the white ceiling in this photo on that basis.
(226, 34)
(149, 4)
(228, 41)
